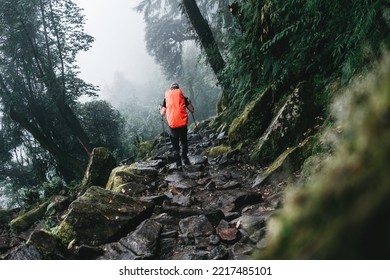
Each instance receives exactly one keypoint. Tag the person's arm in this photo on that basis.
(189, 105)
(163, 109)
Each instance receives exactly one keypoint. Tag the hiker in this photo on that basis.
(174, 106)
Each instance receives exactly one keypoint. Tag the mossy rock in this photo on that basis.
(65, 233)
(288, 125)
(288, 162)
(99, 168)
(342, 213)
(144, 149)
(48, 244)
(7, 215)
(255, 118)
(100, 216)
(27, 219)
(217, 151)
(129, 174)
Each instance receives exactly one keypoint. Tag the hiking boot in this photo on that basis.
(178, 161)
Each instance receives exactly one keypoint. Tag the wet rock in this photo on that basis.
(117, 251)
(241, 251)
(229, 185)
(132, 188)
(252, 223)
(170, 223)
(196, 225)
(213, 215)
(227, 233)
(140, 244)
(48, 244)
(26, 220)
(219, 253)
(258, 181)
(155, 199)
(143, 241)
(227, 200)
(258, 235)
(86, 252)
(186, 239)
(181, 200)
(189, 253)
(175, 177)
(151, 164)
(8, 242)
(100, 215)
(169, 234)
(214, 239)
(167, 247)
(198, 160)
(183, 184)
(23, 252)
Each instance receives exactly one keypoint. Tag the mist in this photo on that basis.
(118, 62)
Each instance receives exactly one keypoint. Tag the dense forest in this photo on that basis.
(303, 84)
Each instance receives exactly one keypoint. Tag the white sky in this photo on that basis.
(119, 46)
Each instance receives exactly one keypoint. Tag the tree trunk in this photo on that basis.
(205, 36)
(69, 167)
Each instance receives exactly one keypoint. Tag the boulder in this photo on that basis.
(140, 244)
(100, 216)
(144, 240)
(23, 252)
(255, 118)
(99, 168)
(196, 225)
(288, 162)
(291, 121)
(26, 220)
(130, 174)
(49, 245)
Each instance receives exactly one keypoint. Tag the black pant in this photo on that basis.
(179, 135)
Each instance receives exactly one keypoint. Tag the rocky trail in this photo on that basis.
(216, 208)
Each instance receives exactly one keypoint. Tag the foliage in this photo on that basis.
(38, 77)
(285, 42)
(103, 124)
(142, 123)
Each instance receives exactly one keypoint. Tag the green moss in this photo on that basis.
(99, 168)
(143, 149)
(253, 121)
(278, 162)
(65, 232)
(26, 220)
(214, 152)
(291, 121)
(123, 174)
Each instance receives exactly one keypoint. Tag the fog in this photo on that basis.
(118, 61)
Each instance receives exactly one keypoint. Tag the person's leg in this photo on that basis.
(175, 138)
(184, 145)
